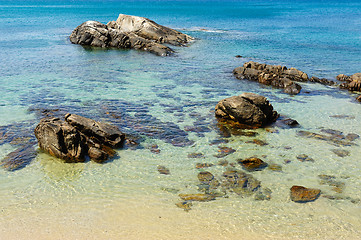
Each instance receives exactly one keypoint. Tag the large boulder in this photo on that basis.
(129, 32)
(78, 137)
(61, 140)
(247, 108)
(149, 29)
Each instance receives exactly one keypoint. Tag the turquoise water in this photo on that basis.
(159, 101)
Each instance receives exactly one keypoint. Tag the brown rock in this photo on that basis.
(203, 165)
(197, 197)
(302, 194)
(248, 108)
(61, 140)
(205, 177)
(252, 164)
(163, 170)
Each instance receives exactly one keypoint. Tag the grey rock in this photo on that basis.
(129, 32)
(248, 108)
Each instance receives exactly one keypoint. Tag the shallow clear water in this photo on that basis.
(127, 197)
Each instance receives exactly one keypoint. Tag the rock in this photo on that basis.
(248, 108)
(351, 83)
(258, 142)
(129, 32)
(184, 205)
(224, 151)
(203, 165)
(223, 163)
(352, 136)
(195, 155)
(304, 158)
(343, 77)
(97, 131)
(61, 140)
(154, 149)
(302, 194)
(275, 167)
(333, 139)
(240, 182)
(341, 152)
(205, 177)
(276, 76)
(323, 81)
(252, 164)
(19, 158)
(77, 137)
(290, 122)
(263, 194)
(148, 29)
(163, 170)
(200, 197)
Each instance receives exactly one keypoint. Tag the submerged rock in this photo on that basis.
(200, 197)
(341, 152)
(186, 205)
(203, 165)
(19, 158)
(129, 32)
(304, 158)
(163, 170)
(302, 194)
(205, 177)
(247, 108)
(240, 183)
(332, 139)
(252, 164)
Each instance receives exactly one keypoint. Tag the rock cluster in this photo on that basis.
(78, 137)
(129, 32)
(247, 108)
(351, 83)
(276, 76)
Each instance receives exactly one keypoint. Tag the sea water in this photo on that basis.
(161, 98)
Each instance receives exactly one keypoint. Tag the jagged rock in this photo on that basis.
(77, 137)
(129, 32)
(302, 194)
(149, 29)
(323, 81)
(247, 108)
(351, 83)
(276, 76)
(61, 140)
(98, 131)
